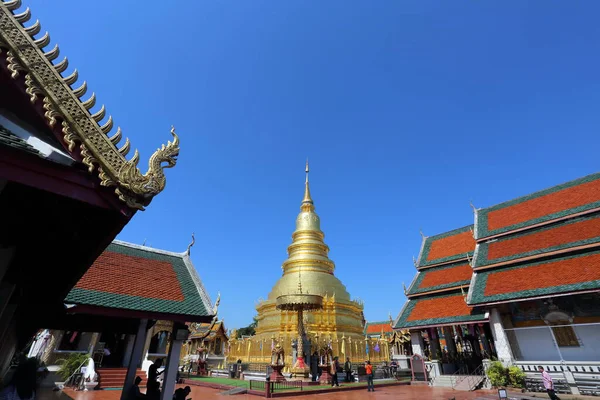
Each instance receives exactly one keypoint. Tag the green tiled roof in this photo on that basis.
(9, 139)
(481, 226)
(111, 283)
(482, 259)
(560, 275)
(451, 283)
(448, 308)
(428, 241)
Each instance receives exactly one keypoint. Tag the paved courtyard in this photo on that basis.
(202, 393)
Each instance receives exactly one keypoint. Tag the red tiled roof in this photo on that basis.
(132, 276)
(443, 307)
(452, 245)
(376, 328)
(569, 271)
(571, 197)
(446, 276)
(560, 235)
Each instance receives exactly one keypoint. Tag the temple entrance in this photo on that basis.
(114, 346)
(460, 349)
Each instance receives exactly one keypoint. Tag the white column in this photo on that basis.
(136, 358)
(180, 333)
(501, 343)
(416, 340)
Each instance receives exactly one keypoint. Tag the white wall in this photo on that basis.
(537, 344)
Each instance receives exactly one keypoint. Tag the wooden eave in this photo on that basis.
(87, 136)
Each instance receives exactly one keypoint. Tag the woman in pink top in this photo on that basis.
(548, 384)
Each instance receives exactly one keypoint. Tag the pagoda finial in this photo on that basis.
(307, 201)
(306, 170)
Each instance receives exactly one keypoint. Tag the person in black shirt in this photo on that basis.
(134, 392)
(182, 393)
(153, 370)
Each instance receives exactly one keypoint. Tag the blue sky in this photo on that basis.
(408, 110)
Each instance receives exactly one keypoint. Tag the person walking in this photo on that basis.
(369, 371)
(314, 366)
(548, 383)
(348, 369)
(335, 365)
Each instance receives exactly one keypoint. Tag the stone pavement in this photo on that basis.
(202, 393)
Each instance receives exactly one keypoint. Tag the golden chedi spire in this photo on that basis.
(308, 265)
(307, 201)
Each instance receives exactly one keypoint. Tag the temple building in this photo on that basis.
(67, 187)
(205, 348)
(522, 285)
(128, 279)
(339, 324)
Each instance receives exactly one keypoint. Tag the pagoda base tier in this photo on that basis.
(300, 369)
(276, 375)
(325, 377)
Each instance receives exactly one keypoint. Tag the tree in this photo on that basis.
(249, 330)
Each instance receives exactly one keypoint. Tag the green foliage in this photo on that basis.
(249, 330)
(69, 365)
(501, 376)
(516, 377)
(498, 374)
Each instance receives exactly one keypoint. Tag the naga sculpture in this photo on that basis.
(153, 181)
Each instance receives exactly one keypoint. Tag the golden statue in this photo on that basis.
(277, 356)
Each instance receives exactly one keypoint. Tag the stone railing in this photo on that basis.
(580, 377)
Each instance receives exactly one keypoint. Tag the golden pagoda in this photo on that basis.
(339, 324)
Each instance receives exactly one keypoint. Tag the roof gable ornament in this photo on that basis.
(189, 248)
(85, 136)
(404, 288)
(464, 295)
(469, 260)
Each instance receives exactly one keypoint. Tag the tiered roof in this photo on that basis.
(570, 199)
(139, 279)
(447, 247)
(540, 245)
(427, 311)
(437, 294)
(375, 328)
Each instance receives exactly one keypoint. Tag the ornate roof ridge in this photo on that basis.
(149, 249)
(81, 130)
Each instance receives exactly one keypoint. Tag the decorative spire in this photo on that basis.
(307, 201)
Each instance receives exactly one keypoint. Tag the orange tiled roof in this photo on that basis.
(137, 278)
(447, 247)
(568, 234)
(453, 306)
(378, 327)
(439, 277)
(133, 276)
(562, 275)
(563, 200)
(437, 310)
